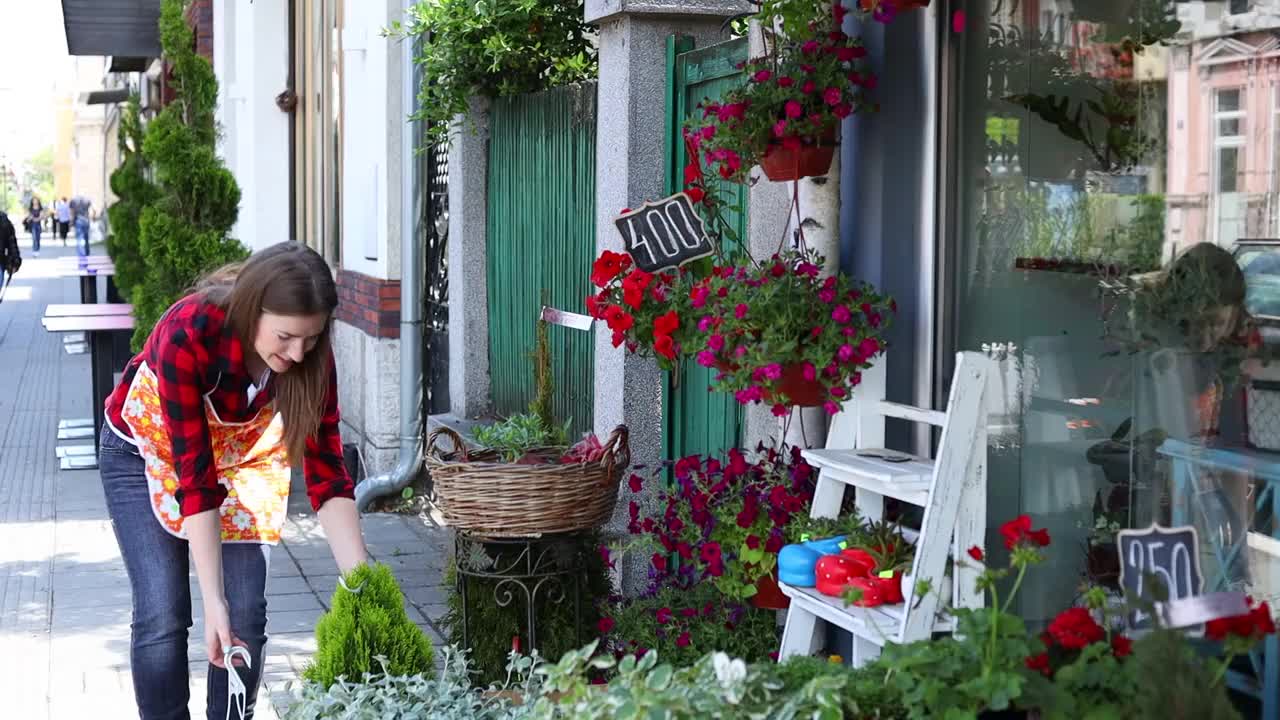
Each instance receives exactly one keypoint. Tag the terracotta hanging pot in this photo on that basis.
(780, 164)
(768, 596)
(801, 392)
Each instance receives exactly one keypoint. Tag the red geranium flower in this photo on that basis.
(1075, 629)
(1253, 624)
(1121, 646)
(975, 552)
(683, 640)
(659, 562)
(1018, 531)
(695, 194)
(1039, 663)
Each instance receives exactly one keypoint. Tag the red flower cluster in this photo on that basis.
(1018, 532)
(1254, 624)
(1071, 631)
(1075, 628)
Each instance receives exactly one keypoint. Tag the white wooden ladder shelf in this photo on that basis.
(952, 490)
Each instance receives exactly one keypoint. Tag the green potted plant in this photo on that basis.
(786, 116)
(781, 333)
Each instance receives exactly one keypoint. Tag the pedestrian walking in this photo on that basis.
(235, 383)
(62, 218)
(10, 255)
(80, 207)
(35, 221)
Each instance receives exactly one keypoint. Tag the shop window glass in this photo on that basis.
(1112, 255)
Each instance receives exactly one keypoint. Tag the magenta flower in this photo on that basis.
(830, 407)
(780, 128)
(710, 553)
(699, 295)
(659, 562)
(841, 315)
(732, 111)
(605, 625)
(827, 296)
(816, 332)
(832, 96)
(683, 640)
(740, 311)
(663, 615)
(793, 108)
(773, 371)
(704, 324)
(708, 132)
(785, 81)
(845, 353)
(807, 88)
(706, 358)
(810, 47)
(842, 111)
(780, 410)
(635, 483)
(810, 372)
(762, 76)
(716, 342)
(837, 391)
(846, 54)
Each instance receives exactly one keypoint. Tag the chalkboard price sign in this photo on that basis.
(664, 234)
(1169, 556)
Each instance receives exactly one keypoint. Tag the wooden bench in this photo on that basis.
(88, 275)
(79, 310)
(100, 331)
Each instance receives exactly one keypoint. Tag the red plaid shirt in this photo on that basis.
(194, 354)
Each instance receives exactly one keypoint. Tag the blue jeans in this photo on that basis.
(159, 577)
(82, 235)
(35, 236)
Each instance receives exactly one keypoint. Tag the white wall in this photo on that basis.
(372, 124)
(250, 58)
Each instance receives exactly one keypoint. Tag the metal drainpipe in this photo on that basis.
(411, 278)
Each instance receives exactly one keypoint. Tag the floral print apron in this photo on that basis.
(250, 458)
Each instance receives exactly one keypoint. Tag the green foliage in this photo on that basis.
(493, 48)
(184, 233)
(450, 696)
(682, 625)
(543, 376)
(364, 625)
(715, 687)
(492, 627)
(134, 191)
(520, 434)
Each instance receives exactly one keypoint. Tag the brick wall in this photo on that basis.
(200, 18)
(370, 304)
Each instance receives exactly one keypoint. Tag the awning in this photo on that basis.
(107, 97)
(129, 28)
(123, 64)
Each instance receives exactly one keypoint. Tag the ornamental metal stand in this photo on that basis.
(550, 569)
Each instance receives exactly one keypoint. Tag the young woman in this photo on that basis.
(235, 385)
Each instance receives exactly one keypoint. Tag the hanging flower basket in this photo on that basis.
(781, 164)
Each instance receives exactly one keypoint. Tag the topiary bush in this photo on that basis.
(134, 191)
(361, 626)
(185, 232)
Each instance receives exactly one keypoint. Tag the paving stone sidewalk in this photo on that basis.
(64, 596)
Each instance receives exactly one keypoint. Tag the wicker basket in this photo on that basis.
(478, 493)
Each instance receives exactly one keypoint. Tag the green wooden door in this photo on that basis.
(699, 420)
(541, 242)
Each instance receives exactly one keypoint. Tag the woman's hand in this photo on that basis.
(217, 632)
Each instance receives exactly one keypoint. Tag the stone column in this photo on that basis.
(631, 168)
(468, 277)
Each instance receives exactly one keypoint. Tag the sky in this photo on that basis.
(34, 70)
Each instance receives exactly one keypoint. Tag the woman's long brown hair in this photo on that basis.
(285, 279)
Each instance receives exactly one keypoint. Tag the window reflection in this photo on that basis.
(1120, 193)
